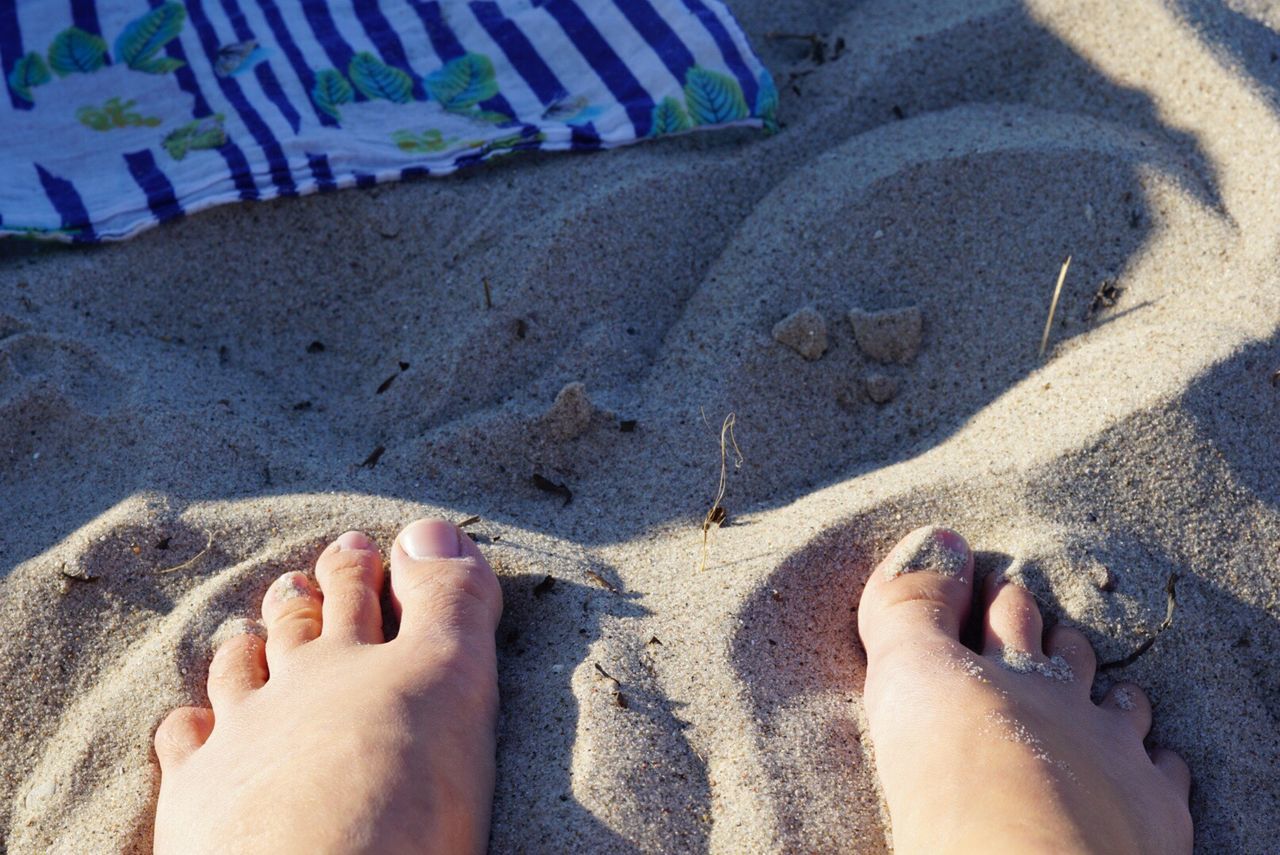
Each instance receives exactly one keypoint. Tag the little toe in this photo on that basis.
(181, 733)
(239, 666)
(1174, 768)
(1074, 648)
(924, 583)
(350, 577)
(1012, 621)
(1131, 703)
(442, 586)
(291, 611)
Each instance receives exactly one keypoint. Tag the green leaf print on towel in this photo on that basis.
(27, 72)
(114, 114)
(201, 134)
(427, 141)
(463, 83)
(713, 97)
(140, 41)
(331, 91)
(669, 117)
(505, 144)
(75, 51)
(160, 65)
(375, 79)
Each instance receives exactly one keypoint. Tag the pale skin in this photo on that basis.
(975, 757)
(324, 737)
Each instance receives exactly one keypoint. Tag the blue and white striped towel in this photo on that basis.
(120, 114)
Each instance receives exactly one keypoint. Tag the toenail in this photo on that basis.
(354, 540)
(290, 586)
(427, 539)
(933, 549)
(236, 626)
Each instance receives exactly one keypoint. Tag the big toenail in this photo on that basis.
(426, 539)
(290, 586)
(933, 549)
(354, 540)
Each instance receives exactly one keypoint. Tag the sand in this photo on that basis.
(188, 415)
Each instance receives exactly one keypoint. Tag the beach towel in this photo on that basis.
(121, 114)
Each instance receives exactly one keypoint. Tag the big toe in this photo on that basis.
(443, 588)
(924, 585)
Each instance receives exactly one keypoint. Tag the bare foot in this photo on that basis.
(1003, 751)
(324, 737)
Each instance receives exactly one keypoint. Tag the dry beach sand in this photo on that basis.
(185, 416)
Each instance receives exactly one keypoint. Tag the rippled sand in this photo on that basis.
(185, 416)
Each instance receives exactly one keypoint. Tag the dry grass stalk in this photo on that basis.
(716, 515)
(193, 559)
(1053, 306)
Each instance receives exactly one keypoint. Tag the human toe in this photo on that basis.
(1131, 704)
(924, 584)
(1174, 768)
(1011, 622)
(442, 586)
(239, 664)
(350, 576)
(1072, 647)
(181, 733)
(291, 611)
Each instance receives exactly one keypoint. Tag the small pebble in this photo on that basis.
(570, 415)
(39, 794)
(804, 331)
(1104, 578)
(881, 388)
(889, 336)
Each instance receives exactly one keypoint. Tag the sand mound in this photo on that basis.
(182, 421)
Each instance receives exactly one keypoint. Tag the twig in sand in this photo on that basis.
(386, 384)
(488, 298)
(468, 521)
(193, 559)
(716, 515)
(546, 485)
(600, 582)
(1104, 298)
(618, 697)
(1053, 306)
(817, 45)
(1171, 603)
